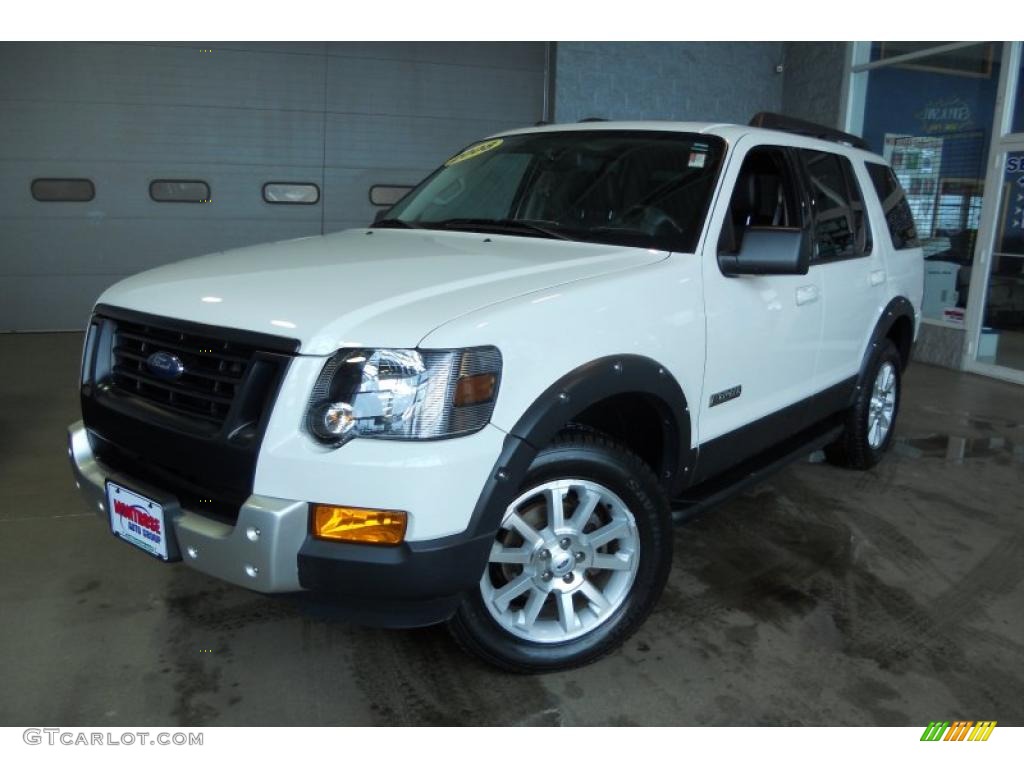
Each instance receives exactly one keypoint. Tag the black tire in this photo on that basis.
(853, 448)
(590, 456)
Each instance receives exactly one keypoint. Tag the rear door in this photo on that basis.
(848, 263)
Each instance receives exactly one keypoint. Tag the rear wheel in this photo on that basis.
(870, 423)
(580, 558)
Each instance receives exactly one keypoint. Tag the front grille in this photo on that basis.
(196, 437)
(214, 370)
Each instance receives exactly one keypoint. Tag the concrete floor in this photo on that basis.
(891, 597)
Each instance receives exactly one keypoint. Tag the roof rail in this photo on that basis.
(777, 122)
(594, 120)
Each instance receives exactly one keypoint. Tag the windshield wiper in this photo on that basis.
(396, 224)
(542, 228)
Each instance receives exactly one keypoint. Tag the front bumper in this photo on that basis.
(269, 550)
(258, 552)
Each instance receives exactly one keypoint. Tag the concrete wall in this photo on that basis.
(726, 82)
(812, 84)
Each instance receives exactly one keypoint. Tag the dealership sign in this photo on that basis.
(945, 116)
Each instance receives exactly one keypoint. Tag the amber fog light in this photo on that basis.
(471, 390)
(366, 526)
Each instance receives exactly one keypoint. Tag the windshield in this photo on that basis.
(649, 189)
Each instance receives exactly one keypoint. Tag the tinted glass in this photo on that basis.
(288, 193)
(834, 220)
(63, 190)
(1018, 102)
(640, 188)
(388, 194)
(765, 195)
(898, 217)
(861, 227)
(165, 191)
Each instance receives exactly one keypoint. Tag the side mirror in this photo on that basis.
(769, 251)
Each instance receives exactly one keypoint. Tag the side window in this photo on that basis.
(898, 217)
(765, 196)
(840, 224)
(861, 225)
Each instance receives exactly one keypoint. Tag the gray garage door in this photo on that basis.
(145, 127)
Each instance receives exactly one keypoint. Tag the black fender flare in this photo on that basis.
(569, 396)
(894, 310)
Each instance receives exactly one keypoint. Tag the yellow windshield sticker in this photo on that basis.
(474, 151)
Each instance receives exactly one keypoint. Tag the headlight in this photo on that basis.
(404, 394)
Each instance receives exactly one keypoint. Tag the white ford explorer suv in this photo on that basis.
(488, 407)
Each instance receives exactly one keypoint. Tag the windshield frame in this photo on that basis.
(686, 242)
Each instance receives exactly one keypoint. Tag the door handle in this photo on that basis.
(877, 276)
(806, 294)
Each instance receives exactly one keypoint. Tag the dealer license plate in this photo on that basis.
(137, 520)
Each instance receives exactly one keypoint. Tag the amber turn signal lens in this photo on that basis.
(470, 390)
(366, 526)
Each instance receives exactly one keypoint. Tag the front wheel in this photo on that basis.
(581, 557)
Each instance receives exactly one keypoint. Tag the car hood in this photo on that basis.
(380, 287)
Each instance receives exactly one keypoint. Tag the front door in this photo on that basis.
(763, 331)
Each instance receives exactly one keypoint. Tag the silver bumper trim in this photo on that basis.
(259, 552)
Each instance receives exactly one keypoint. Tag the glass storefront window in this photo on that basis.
(1017, 125)
(931, 118)
(1002, 333)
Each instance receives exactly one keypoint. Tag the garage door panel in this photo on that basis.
(166, 134)
(45, 304)
(292, 46)
(425, 89)
(347, 190)
(127, 246)
(122, 190)
(375, 141)
(121, 73)
(338, 225)
(528, 56)
(125, 114)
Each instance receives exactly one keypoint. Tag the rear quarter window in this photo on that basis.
(898, 217)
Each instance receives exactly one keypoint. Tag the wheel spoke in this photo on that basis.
(555, 498)
(620, 561)
(515, 521)
(609, 532)
(584, 510)
(510, 555)
(598, 602)
(531, 610)
(566, 613)
(512, 590)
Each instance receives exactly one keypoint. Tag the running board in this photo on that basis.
(697, 500)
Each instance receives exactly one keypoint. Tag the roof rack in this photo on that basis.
(777, 122)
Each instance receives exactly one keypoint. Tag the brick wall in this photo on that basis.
(813, 81)
(725, 82)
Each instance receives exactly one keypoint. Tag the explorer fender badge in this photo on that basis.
(165, 365)
(725, 396)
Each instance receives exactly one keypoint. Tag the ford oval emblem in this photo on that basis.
(165, 365)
